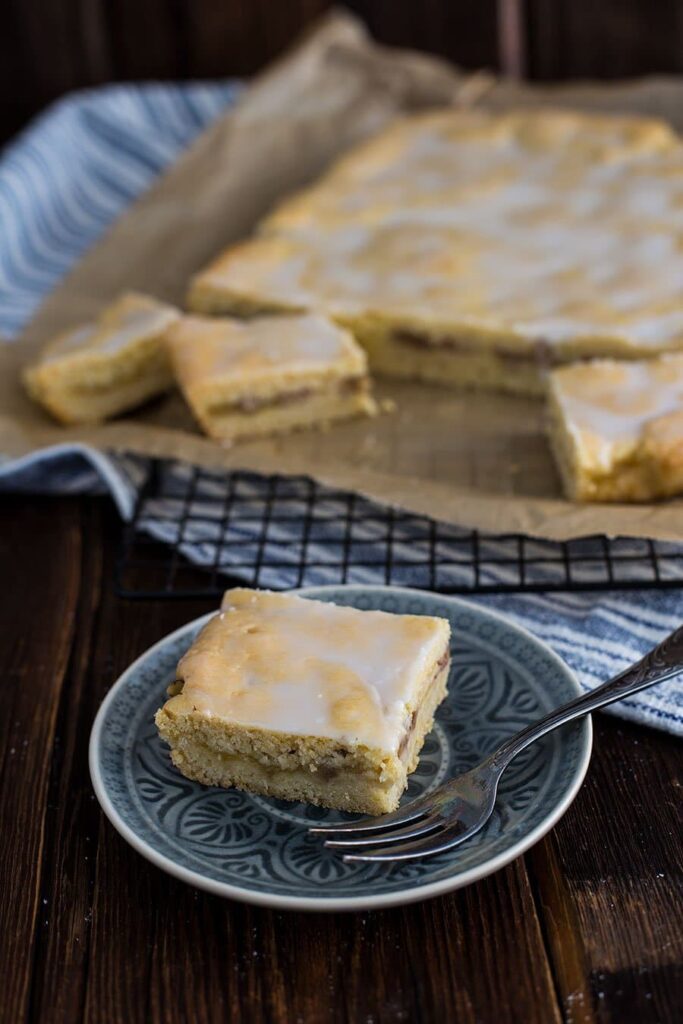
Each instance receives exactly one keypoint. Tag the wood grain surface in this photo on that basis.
(584, 928)
(607, 39)
(50, 47)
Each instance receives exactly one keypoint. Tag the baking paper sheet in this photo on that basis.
(471, 459)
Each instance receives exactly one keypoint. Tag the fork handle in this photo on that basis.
(662, 662)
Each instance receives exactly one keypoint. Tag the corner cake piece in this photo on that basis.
(617, 429)
(269, 375)
(99, 369)
(305, 700)
(480, 249)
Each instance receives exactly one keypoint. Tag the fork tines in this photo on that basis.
(415, 831)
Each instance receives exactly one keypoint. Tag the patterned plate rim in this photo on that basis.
(412, 893)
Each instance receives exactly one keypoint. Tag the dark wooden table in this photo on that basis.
(50, 47)
(585, 927)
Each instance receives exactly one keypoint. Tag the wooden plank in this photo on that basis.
(610, 39)
(72, 821)
(40, 554)
(512, 32)
(241, 38)
(610, 882)
(129, 894)
(464, 33)
(473, 956)
(133, 25)
(563, 935)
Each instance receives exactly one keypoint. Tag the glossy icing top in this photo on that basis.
(206, 349)
(551, 225)
(286, 664)
(611, 406)
(130, 319)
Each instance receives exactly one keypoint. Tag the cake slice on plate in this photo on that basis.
(307, 700)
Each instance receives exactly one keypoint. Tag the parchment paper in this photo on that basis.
(475, 460)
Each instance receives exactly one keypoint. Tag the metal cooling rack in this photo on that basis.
(194, 532)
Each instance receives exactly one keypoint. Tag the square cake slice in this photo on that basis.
(305, 700)
(617, 428)
(269, 375)
(99, 369)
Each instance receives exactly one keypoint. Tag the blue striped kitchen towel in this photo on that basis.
(62, 182)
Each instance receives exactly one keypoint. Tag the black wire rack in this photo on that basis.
(194, 532)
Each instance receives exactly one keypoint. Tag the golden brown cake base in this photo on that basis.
(88, 400)
(458, 364)
(285, 414)
(288, 767)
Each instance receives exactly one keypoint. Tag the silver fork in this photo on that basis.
(456, 810)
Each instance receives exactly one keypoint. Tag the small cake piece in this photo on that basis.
(269, 375)
(617, 428)
(100, 369)
(305, 700)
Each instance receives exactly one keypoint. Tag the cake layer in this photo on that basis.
(450, 363)
(251, 417)
(616, 429)
(74, 403)
(546, 232)
(348, 791)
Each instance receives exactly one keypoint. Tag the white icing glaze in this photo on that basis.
(553, 225)
(287, 664)
(129, 320)
(208, 347)
(71, 341)
(270, 341)
(134, 327)
(607, 404)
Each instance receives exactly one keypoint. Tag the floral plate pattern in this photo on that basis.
(258, 849)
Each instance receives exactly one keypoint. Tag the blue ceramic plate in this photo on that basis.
(258, 850)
